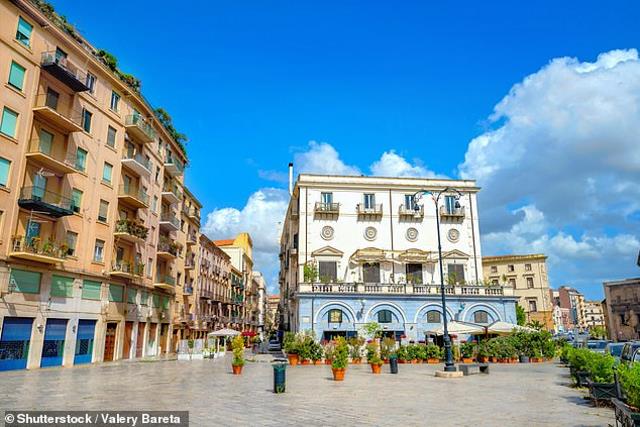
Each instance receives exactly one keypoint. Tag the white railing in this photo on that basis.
(392, 288)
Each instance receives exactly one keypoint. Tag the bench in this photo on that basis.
(474, 368)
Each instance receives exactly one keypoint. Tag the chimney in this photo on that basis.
(290, 178)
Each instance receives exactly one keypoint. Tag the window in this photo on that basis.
(327, 271)
(9, 122)
(371, 272)
(5, 166)
(494, 269)
(116, 293)
(144, 297)
(106, 172)
(433, 316)
(155, 300)
(369, 201)
(98, 251)
(45, 141)
(385, 316)
(72, 240)
(91, 289)
(16, 75)
(455, 273)
(81, 160)
(76, 200)
(409, 202)
(154, 204)
(450, 204)
(90, 82)
(157, 173)
(335, 316)
(86, 120)
(111, 137)
(25, 281)
(115, 101)
(131, 296)
(527, 267)
(61, 286)
(326, 198)
(23, 35)
(530, 282)
(103, 211)
(512, 283)
(52, 99)
(533, 305)
(481, 317)
(149, 267)
(414, 274)
(511, 268)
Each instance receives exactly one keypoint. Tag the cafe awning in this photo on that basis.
(224, 333)
(457, 328)
(415, 256)
(506, 328)
(368, 255)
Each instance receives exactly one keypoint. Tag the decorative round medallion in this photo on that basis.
(370, 233)
(453, 235)
(412, 234)
(327, 232)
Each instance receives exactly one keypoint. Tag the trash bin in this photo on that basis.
(393, 365)
(279, 377)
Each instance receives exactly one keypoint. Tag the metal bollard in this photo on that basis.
(393, 365)
(279, 377)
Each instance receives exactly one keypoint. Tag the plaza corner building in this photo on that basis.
(95, 232)
(362, 249)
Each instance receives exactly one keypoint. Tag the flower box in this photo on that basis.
(626, 416)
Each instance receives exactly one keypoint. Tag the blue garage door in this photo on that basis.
(84, 341)
(53, 347)
(14, 342)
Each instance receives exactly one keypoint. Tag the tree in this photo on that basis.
(598, 332)
(521, 316)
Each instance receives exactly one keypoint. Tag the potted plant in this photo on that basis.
(434, 353)
(467, 350)
(290, 344)
(578, 361)
(305, 349)
(329, 349)
(402, 354)
(387, 348)
(628, 411)
(373, 357)
(238, 355)
(421, 353)
(316, 353)
(482, 352)
(355, 348)
(600, 368)
(340, 359)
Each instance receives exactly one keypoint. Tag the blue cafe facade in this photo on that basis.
(409, 317)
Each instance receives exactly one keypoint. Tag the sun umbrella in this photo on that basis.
(457, 328)
(506, 328)
(224, 333)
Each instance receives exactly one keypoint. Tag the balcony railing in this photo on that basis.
(59, 112)
(452, 213)
(137, 196)
(327, 208)
(130, 268)
(406, 212)
(170, 219)
(165, 279)
(139, 127)
(373, 210)
(173, 189)
(64, 70)
(52, 157)
(136, 161)
(132, 228)
(173, 165)
(37, 249)
(43, 201)
(168, 246)
(390, 288)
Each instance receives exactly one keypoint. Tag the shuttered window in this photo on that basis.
(23, 34)
(9, 122)
(24, 281)
(91, 290)
(156, 301)
(131, 296)
(144, 298)
(116, 293)
(61, 286)
(165, 303)
(16, 75)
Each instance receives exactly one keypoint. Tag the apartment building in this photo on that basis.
(593, 314)
(272, 316)
(527, 275)
(622, 301)
(91, 184)
(572, 300)
(258, 303)
(362, 249)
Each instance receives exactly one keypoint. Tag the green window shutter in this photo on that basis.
(116, 293)
(156, 300)
(24, 281)
(144, 298)
(4, 171)
(16, 75)
(23, 34)
(9, 122)
(106, 172)
(91, 289)
(165, 303)
(131, 296)
(81, 159)
(61, 286)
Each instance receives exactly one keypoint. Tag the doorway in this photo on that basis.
(126, 342)
(110, 342)
(140, 339)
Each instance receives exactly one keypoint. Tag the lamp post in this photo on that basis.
(449, 365)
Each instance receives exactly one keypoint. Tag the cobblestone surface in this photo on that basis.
(527, 395)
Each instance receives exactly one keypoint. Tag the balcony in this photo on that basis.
(403, 289)
(191, 239)
(173, 166)
(171, 193)
(168, 221)
(46, 202)
(64, 70)
(193, 214)
(189, 263)
(321, 208)
(43, 155)
(57, 113)
(187, 290)
(164, 281)
(34, 249)
(127, 269)
(206, 294)
(137, 163)
(369, 212)
(131, 231)
(167, 249)
(411, 214)
(133, 197)
(139, 128)
(454, 213)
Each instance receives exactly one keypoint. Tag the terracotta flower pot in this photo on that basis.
(305, 362)
(386, 361)
(433, 361)
(356, 361)
(414, 361)
(467, 360)
(317, 362)
(327, 361)
(375, 368)
(493, 359)
(293, 359)
(338, 374)
(237, 370)
(483, 359)
(402, 361)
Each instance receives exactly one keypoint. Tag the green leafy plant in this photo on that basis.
(341, 354)
(372, 330)
(629, 377)
(167, 122)
(600, 367)
(387, 347)
(290, 343)
(579, 359)
(402, 353)
(329, 350)
(310, 272)
(237, 345)
(433, 352)
(468, 349)
(355, 347)
(421, 351)
(373, 353)
(521, 316)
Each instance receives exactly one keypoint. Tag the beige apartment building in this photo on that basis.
(93, 230)
(593, 314)
(527, 275)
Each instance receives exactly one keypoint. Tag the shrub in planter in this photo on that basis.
(387, 348)
(565, 351)
(421, 352)
(340, 359)
(629, 377)
(402, 354)
(433, 353)
(373, 357)
(355, 349)
(238, 354)
(578, 361)
(412, 353)
(291, 347)
(468, 352)
(329, 350)
(600, 367)
(482, 352)
(316, 353)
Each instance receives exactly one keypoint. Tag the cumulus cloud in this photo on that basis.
(322, 158)
(392, 164)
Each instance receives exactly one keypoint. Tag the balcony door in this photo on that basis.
(39, 186)
(45, 141)
(414, 274)
(33, 230)
(126, 183)
(371, 272)
(327, 198)
(450, 204)
(52, 99)
(369, 201)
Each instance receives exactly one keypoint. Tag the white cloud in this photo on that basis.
(392, 164)
(322, 158)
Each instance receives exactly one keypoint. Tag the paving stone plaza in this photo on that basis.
(531, 395)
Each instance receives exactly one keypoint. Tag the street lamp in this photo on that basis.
(449, 366)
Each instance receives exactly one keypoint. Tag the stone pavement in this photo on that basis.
(512, 395)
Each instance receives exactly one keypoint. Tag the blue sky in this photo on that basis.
(251, 83)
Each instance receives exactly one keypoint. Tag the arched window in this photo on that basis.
(335, 316)
(385, 316)
(481, 316)
(434, 316)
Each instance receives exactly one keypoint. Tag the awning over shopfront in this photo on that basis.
(368, 255)
(224, 333)
(248, 334)
(457, 328)
(506, 328)
(416, 256)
